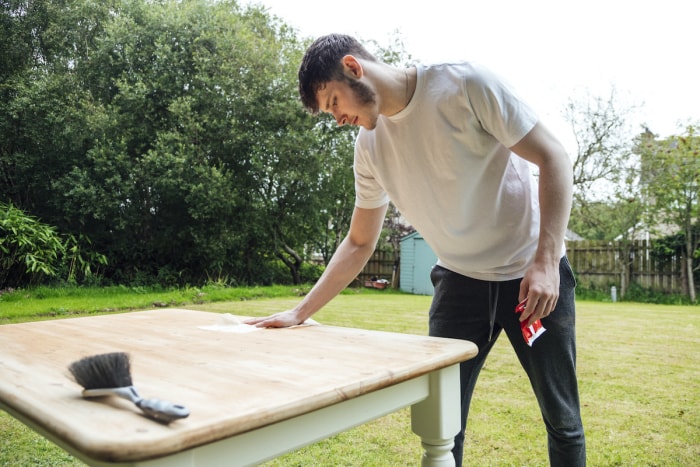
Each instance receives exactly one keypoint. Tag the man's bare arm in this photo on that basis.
(347, 262)
(541, 281)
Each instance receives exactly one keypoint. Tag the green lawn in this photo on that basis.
(639, 371)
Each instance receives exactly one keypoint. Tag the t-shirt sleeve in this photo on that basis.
(500, 111)
(369, 194)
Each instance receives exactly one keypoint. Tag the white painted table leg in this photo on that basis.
(437, 419)
(438, 455)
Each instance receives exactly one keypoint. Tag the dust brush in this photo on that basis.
(109, 374)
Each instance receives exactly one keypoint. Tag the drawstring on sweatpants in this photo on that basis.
(493, 306)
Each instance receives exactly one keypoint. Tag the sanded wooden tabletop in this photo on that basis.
(232, 382)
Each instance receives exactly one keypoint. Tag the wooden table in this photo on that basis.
(252, 395)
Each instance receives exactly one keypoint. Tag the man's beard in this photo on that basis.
(366, 97)
(363, 92)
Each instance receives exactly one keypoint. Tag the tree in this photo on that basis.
(336, 183)
(42, 116)
(170, 134)
(603, 140)
(607, 202)
(671, 183)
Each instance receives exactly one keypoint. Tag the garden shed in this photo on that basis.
(417, 260)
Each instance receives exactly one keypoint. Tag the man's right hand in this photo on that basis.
(283, 319)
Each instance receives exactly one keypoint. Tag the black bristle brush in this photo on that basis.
(109, 374)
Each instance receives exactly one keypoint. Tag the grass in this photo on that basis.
(59, 302)
(638, 364)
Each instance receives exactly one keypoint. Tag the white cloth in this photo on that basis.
(229, 323)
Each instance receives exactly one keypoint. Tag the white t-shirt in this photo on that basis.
(445, 164)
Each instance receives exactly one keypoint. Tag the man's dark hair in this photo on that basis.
(322, 64)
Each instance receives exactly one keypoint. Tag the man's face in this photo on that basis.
(350, 101)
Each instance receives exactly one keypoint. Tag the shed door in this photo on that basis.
(425, 259)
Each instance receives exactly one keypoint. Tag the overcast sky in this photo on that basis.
(549, 50)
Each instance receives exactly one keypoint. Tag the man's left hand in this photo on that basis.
(541, 288)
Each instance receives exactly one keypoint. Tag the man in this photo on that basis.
(449, 145)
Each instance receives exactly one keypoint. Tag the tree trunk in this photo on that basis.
(689, 266)
(293, 262)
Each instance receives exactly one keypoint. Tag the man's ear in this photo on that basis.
(352, 66)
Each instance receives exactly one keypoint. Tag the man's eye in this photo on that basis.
(335, 101)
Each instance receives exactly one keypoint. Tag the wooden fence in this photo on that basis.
(595, 263)
(382, 265)
(620, 264)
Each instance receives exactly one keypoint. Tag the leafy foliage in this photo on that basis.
(622, 184)
(27, 247)
(671, 181)
(31, 251)
(170, 134)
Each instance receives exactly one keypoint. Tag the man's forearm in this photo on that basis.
(541, 148)
(555, 194)
(347, 262)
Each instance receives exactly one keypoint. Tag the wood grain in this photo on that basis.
(231, 382)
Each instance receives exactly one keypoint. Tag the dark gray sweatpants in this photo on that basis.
(476, 310)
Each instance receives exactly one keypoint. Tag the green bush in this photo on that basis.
(32, 252)
(29, 250)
